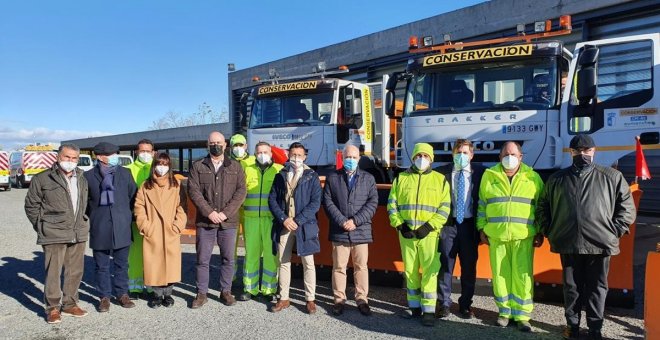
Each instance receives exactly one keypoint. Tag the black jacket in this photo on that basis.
(49, 209)
(307, 201)
(585, 212)
(110, 226)
(359, 204)
(477, 173)
(223, 191)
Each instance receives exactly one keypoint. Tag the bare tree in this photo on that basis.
(204, 115)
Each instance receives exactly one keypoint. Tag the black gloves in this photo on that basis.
(423, 231)
(405, 231)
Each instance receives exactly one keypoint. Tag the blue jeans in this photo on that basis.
(206, 239)
(116, 282)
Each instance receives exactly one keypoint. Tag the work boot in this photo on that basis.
(125, 301)
(502, 321)
(74, 311)
(53, 316)
(245, 296)
(280, 305)
(412, 313)
(104, 305)
(441, 311)
(155, 302)
(428, 319)
(571, 332)
(227, 298)
(200, 300)
(524, 326)
(168, 301)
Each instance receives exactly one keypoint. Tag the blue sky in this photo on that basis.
(73, 69)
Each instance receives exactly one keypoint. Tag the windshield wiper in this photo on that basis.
(442, 109)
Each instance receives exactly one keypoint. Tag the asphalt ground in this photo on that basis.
(22, 314)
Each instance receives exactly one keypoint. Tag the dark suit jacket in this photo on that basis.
(477, 173)
(110, 226)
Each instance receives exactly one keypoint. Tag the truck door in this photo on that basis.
(613, 95)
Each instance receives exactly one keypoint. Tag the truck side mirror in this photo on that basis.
(356, 108)
(587, 75)
(243, 111)
(389, 103)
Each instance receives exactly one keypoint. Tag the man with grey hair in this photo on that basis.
(55, 205)
(350, 199)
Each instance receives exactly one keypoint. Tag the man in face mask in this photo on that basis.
(460, 236)
(55, 205)
(584, 210)
(239, 153)
(350, 199)
(140, 170)
(111, 193)
(418, 208)
(216, 185)
(507, 201)
(257, 227)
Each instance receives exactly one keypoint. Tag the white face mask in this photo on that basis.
(422, 163)
(68, 166)
(161, 170)
(238, 152)
(145, 157)
(297, 164)
(263, 158)
(510, 162)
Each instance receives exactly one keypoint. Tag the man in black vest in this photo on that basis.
(460, 236)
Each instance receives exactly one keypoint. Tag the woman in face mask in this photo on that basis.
(160, 219)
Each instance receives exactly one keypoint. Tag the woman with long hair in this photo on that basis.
(160, 219)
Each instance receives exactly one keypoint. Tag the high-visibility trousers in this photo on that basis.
(135, 262)
(421, 255)
(258, 243)
(512, 264)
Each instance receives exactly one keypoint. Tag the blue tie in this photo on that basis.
(460, 200)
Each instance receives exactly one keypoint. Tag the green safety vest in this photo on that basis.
(417, 198)
(140, 171)
(258, 187)
(506, 208)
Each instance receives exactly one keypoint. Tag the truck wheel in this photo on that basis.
(8, 188)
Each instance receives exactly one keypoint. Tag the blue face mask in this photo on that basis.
(350, 164)
(461, 160)
(113, 160)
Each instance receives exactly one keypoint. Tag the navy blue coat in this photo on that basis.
(477, 173)
(307, 199)
(358, 204)
(110, 226)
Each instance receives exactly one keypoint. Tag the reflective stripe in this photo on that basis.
(270, 285)
(514, 298)
(391, 201)
(443, 213)
(392, 211)
(414, 223)
(418, 207)
(250, 275)
(428, 309)
(251, 287)
(256, 196)
(414, 304)
(269, 273)
(504, 310)
(511, 199)
(445, 205)
(482, 203)
(251, 208)
(429, 295)
(520, 312)
(481, 214)
(510, 219)
(413, 292)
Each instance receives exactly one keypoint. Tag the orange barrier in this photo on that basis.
(385, 254)
(652, 297)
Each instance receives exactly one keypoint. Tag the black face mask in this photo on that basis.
(582, 160)
(215, 150)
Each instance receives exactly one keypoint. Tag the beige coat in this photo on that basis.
(160, 219)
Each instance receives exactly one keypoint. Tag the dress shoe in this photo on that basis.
(155, 302)
(338, 309)
(134, 295)
(53, 316)
(441, 311)
(364, 309)
(200, 300)
(104, 305)
(168, 301)
(74, 311)
(428, 319)
(245, 296)
(595, 335)
(227, 298)
(280, 305)
(466, 313)
(311, 307)
(524, 326)
(571, 332)
(502, 321)
(125, 301)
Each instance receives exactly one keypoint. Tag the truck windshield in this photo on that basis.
(529, 84)
(298, 109)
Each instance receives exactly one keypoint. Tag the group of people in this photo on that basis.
(134, 216)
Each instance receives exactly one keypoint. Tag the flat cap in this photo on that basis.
(582, 142)
(105, 148)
